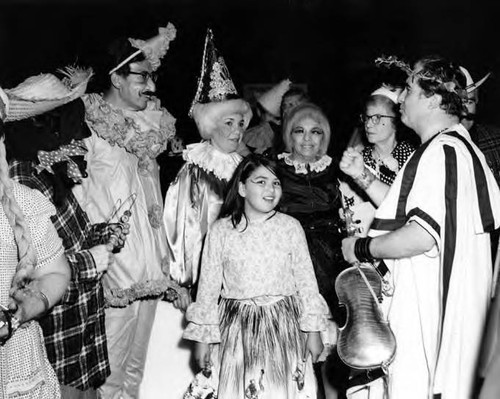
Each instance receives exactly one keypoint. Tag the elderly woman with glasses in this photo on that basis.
(384, 155)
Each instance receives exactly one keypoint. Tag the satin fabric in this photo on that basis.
(113, 178)
(191, 206)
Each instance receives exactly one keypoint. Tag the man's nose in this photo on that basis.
(402, 96)
(150, 85)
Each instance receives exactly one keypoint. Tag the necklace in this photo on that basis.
(388, 161)
(378, 157)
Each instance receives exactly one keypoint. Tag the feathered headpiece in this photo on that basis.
(154, 49)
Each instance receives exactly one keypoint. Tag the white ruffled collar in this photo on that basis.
(302, 167)
(142, 133)
(210, 159)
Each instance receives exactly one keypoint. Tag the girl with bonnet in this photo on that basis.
(192, 204)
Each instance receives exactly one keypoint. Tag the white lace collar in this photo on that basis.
(301, 167)
(209, 158)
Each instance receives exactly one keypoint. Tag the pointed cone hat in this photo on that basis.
(271, 99)
(216, 94)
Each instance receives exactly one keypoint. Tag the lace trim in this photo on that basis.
(143, 133)
(210, 159)
(301, 167)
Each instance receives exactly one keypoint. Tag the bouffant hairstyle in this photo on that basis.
(301, 112)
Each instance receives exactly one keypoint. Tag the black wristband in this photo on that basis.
(362, 249)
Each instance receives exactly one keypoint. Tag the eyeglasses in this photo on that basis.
(375, 119)
(145, 76)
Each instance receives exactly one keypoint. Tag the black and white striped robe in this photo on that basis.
(440, 299)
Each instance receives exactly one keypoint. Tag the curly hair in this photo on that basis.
(437, 75)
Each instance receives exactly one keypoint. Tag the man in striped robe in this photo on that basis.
(431, 229)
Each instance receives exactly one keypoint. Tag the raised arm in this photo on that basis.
(352, 165)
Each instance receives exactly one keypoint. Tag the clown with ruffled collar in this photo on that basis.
(144, 133)
(193, 200)
(129, 130)
(192, 204)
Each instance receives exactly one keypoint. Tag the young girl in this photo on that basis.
(269, 318)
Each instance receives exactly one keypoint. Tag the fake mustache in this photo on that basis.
(470, 117)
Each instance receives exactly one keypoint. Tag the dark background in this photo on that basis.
(329, 45)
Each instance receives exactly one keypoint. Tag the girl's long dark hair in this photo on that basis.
(234, 203)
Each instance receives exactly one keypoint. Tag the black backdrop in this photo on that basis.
(328, 44)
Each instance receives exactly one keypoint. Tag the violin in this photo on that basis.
(366, 341)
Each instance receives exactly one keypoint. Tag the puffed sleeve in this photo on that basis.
(203, 315)
(314, 307)
(46, 241)
(190, 207)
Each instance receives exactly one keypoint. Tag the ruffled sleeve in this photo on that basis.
(203, 315)
(314, 308)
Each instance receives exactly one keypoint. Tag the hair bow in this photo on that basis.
(48, 158)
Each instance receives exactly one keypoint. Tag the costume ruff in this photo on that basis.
(192, 204)
(142, 133)
(121, 141)
(210, 159)
(117, 174)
